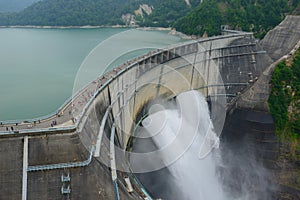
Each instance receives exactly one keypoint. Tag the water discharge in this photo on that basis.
(189, 130)
(188, 160)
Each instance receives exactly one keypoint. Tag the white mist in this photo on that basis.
(189, 145)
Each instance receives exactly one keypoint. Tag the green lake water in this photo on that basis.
(38, 67)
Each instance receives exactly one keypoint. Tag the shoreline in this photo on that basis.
(172, 31)
(66, 27)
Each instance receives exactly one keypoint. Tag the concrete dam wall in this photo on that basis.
(83, 164)
(283, 38)
(216, 67)
(220, 68)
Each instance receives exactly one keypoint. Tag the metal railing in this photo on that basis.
(151, 53)
(113, 130)
(62, 165)
(131, 64)
(83, 116)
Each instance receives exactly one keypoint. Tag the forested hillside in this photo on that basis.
(98, 12)
(258, 16)
(68, 12)
(284, 103)
(14, 5)
(166, 12)
(188, 16)
(284, 100)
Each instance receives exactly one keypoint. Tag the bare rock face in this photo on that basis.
(188, 2)
(129, 19)
(144, 9)
(282, 39)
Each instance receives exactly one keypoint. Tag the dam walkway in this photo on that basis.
(68, 116)
(86, 129)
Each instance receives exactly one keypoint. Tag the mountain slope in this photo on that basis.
(187, 16)
(70, 12)
(258, 16)
(15, 5)
(98, 12)
(166, 12)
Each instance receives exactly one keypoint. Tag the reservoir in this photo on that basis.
(38, 67)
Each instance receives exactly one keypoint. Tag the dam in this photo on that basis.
(81, 152)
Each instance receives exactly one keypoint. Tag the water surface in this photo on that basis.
(38, 66)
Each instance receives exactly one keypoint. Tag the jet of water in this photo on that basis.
(189, 130)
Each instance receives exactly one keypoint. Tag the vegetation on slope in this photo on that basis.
(258, 16)
(197, 18)
(166, 12)
(284, 100)
(14, 5)
(96, 12)
(68, 13)
(284, 103)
